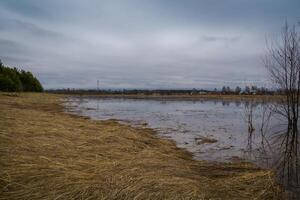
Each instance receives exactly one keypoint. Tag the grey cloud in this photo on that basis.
(215, 38)
(17, 25)
(140, 43)
(8, 44)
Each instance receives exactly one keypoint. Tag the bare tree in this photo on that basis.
(249, 112)
(283, 65)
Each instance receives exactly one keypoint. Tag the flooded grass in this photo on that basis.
(48, 154)
(205, 140)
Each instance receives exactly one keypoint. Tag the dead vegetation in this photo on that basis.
(205, 140)
(48, 154)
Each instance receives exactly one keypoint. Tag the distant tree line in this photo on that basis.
(129, 91)
(225, 90)
(247, 90)
(15, 80)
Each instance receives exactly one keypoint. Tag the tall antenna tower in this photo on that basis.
(98, 85)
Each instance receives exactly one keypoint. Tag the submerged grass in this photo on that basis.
(48, 154)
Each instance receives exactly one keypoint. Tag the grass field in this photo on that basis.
(48, 154)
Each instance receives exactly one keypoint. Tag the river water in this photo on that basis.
(211, 130)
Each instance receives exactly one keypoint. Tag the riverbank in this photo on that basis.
(48, 154)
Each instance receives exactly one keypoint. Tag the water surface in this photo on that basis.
(188, 122)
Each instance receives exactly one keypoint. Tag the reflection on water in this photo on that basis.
(211, 129)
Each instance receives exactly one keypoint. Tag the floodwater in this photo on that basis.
(211, 130)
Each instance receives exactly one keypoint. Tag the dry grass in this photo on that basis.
(47, 154)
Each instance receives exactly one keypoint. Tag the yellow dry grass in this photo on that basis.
(48, 154)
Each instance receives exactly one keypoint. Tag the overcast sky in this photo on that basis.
(142, 43)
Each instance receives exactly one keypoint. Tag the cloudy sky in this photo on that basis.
(142, 43)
